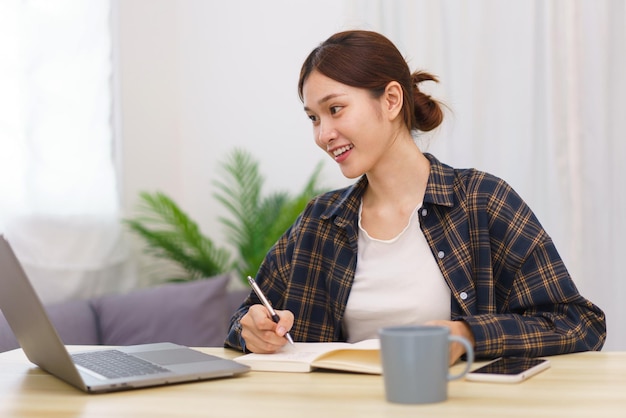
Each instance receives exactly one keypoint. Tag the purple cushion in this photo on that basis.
(190, 313)
(234, 299)
(74, 321)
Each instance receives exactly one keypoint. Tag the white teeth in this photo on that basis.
(341, 150)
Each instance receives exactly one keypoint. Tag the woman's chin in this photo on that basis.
(351, 174)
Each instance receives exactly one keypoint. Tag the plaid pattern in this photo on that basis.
(507, 279)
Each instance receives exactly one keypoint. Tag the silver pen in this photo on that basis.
(267, 305)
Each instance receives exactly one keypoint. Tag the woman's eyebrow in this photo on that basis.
(325, 99)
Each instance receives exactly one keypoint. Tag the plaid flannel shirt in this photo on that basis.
(507, 280)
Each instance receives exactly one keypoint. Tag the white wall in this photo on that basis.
(198, 78)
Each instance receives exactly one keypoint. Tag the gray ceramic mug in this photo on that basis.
(415, 362)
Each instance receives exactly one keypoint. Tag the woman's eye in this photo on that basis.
(313, 118)
(334, 109)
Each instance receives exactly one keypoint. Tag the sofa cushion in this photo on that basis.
(74, 321)
(234, 300)
(189, 313)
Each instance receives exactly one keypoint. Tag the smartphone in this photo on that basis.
(508, 369)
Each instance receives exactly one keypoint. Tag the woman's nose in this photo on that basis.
(326, 133)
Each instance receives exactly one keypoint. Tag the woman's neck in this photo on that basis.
(395, 189)
(399, 179)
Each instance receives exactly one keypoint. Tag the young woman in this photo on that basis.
(413, 241)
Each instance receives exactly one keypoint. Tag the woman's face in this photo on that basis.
(348, 123)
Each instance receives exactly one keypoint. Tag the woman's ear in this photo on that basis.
(393, 99)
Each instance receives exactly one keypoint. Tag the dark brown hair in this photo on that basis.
(368, 60)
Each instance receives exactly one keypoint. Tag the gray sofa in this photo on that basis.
(191, 313)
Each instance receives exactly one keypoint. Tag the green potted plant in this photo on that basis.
(254, 223)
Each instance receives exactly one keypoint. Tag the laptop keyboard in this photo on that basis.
(115, 364)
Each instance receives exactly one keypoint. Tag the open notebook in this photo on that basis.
(103, 370)
(361, 357)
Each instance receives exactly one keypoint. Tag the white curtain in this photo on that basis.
(537, 96)
(58, 193)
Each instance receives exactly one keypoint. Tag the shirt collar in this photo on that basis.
(347, 204)
(440, 187)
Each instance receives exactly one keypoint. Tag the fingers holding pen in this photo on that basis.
(261, 333)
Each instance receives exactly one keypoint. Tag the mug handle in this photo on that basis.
(470, 356)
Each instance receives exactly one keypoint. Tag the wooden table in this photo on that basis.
(577, 385)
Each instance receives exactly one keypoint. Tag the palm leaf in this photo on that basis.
(254, 223)
(294, 206)
(171, 234)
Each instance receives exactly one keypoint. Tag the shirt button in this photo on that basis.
(463, 295)
(424, 212)
(441, 254)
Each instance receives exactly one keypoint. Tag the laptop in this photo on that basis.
(115, 368)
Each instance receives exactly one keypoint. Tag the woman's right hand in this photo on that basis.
(261, 333)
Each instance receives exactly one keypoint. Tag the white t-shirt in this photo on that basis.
(397, 282)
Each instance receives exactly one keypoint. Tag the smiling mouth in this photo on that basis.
(341, 150)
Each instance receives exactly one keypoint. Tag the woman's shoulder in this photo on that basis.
(471, 177)
(470, 184)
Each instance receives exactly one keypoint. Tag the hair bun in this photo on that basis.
(419, 76)
(428, 112)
